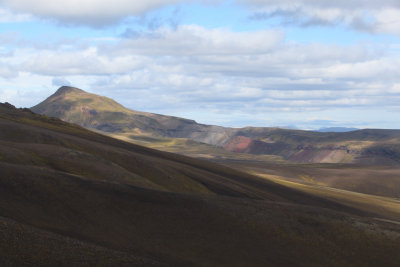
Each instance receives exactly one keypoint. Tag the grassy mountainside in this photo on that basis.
(69, 196)
(105, 115)
(101, 113)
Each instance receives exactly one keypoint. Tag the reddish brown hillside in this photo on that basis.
(238, 144)
(242, 144)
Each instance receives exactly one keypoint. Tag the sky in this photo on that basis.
(300, 63)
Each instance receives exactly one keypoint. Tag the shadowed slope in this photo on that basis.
(156, 208)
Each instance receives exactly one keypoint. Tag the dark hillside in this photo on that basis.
(69, 196)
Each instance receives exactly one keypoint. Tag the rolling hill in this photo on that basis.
(69, 196)
(104, 114)
(369, 146)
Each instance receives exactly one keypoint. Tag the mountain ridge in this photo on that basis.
(106, 115)
(84, 109)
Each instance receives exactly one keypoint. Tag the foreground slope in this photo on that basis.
(370, 146)
(69, 196)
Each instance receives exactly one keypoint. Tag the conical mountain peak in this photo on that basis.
(104, 114)
(73, 105)
(68, 89)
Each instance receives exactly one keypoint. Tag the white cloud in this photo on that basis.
(387, 21)
(9, 16)
(59, 81)
(87, 12)
(7, 72)
(395, 89)
(86, 61)
(344, 4)
(7, 95)
(365, 15)
(195, 40)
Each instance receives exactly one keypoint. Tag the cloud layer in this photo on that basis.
(218, 71)
(88, 12)
(364, 15)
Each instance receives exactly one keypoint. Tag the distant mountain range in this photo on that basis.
(332, 145)
(336, 129)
